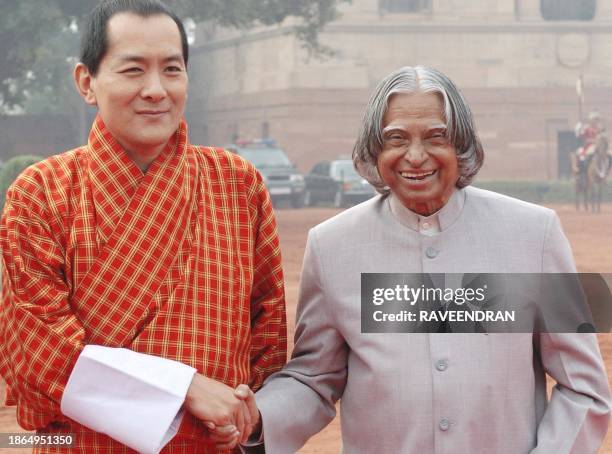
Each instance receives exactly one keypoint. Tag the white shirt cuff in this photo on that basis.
(131, 397)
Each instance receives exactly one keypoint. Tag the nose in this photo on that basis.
(153, 89)
(416, 154)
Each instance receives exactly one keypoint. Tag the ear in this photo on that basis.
(83, 81)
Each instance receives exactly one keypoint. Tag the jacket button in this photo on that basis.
(444, 424)
(442, 365)
(431, 252)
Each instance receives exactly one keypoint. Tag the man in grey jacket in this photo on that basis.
(431, 392)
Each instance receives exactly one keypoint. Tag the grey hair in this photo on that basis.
(460, 125)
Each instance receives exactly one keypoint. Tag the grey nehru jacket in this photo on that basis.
(434, 393)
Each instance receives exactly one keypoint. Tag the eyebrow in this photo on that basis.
(140, 59)
(438, 128)
(391, 128)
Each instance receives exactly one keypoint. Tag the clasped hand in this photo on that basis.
(230, 415)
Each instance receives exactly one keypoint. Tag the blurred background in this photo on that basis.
(298, 73)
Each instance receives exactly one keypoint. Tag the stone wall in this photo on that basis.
(517, 70)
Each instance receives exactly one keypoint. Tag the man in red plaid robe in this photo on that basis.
(142, 278)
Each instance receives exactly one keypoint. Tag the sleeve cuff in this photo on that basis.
(133, 398)
(254, 439)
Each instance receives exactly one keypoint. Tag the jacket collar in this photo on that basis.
(433, 224)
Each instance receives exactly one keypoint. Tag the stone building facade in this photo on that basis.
(516, 61)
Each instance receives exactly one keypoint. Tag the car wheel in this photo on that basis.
(308, 199)
(338, 199)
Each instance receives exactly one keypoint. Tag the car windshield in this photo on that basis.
(344, 170)
(266, 157)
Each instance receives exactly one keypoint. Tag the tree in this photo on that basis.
(24, 26)
(35, 38)
(245, 13)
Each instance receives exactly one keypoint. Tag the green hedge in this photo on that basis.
(539, 191)
(11, 170)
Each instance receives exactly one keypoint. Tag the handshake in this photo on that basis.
(230, 415)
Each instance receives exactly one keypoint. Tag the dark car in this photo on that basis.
(337, 182)
(283, 180)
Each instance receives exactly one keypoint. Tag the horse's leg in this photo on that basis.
(579, 192)
(595, 195)
(588, 198)
(599, 194)
(576, 173)
(577, 196)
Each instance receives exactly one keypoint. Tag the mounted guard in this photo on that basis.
(588, 132)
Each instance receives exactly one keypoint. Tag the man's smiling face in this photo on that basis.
(417, 161)
(140, 88)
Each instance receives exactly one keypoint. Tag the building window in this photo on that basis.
(568, 9)
(403, 6)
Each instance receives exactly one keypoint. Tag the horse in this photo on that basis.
(597, 172)
(590, 172)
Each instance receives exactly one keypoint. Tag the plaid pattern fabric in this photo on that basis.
(181, 262)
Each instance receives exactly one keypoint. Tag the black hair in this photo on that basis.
(94, 42)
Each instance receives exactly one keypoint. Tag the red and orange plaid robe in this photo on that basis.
(181, 262)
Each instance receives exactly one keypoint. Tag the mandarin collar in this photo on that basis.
(433, 224)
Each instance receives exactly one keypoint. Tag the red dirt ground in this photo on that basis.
(590, 236)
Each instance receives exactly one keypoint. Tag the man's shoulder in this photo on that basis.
(53, 173)
(361, 221)
(502, 202)
(47, 188)
(222, 160)
(492, 208)
(229, 171)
